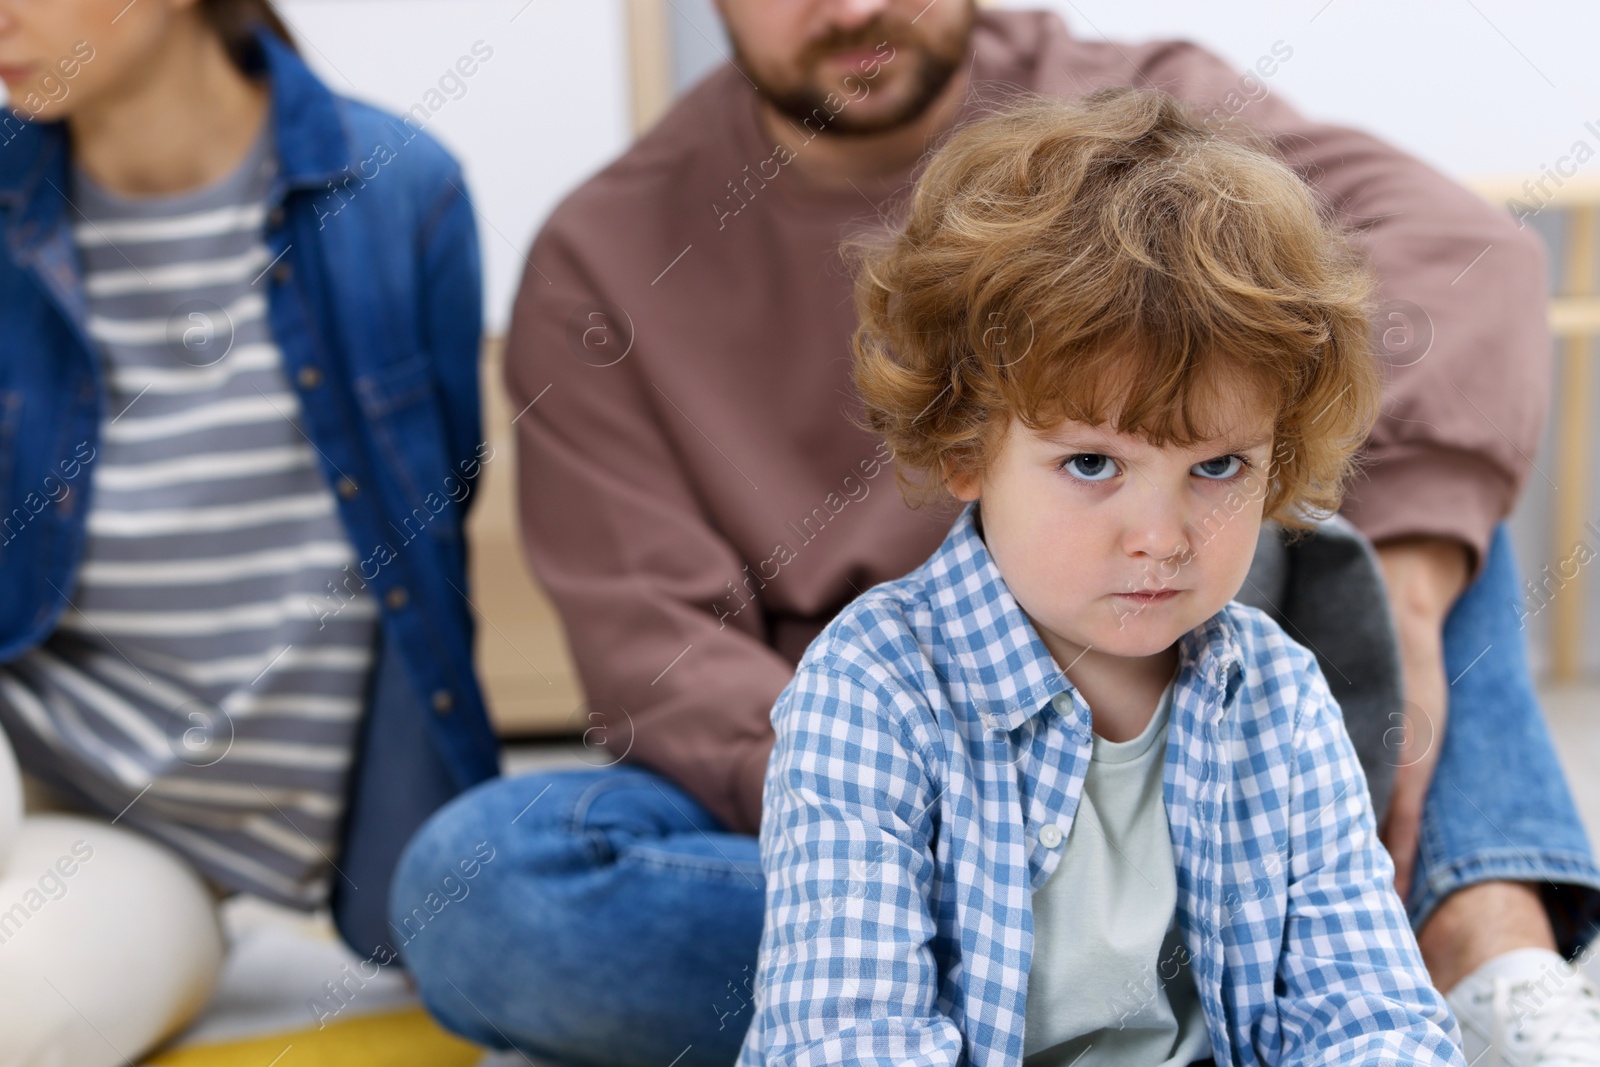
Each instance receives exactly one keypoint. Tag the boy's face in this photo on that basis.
(1082, 519)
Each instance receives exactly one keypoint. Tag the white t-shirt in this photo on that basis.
(1110, 981)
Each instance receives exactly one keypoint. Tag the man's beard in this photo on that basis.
(936, 63)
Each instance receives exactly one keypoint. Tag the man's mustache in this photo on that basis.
(840, 40)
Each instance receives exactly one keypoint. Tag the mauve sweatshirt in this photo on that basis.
(694, 496)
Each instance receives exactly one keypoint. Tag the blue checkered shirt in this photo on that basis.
(919, 753)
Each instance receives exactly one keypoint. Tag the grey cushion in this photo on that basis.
(1326, 590)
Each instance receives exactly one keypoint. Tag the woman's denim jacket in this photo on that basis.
(374, 298)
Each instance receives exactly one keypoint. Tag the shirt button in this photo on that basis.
(396, 599)
(309, 377)
(347, 488)
(1049, 835)
(443, 701)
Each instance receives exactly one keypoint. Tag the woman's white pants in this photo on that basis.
(109, 942)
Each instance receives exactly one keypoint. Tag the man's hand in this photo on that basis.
(1424, 576)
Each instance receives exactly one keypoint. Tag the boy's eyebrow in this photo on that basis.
(1092, 437)
(1265, 439)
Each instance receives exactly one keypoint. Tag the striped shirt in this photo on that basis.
(925, 777)
(206, 682)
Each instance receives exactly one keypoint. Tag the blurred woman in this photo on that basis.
(239, 326)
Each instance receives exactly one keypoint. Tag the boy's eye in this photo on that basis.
(1220, 468)
(1090, 466)
(1095, 467)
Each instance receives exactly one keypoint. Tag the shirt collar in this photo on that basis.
(312, 144)
(1010, 674)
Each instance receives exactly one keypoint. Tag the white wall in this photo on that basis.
(1478, 88)
(547, 109)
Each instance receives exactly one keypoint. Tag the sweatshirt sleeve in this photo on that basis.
(612, 530)
(1462, 333)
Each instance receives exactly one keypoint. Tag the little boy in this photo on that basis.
(1052, 797)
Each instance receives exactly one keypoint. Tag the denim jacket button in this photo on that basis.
(443, 701)
(348, 488)
(1049, 835)
(282, 273)
(396, 599)
(275, 217)
(309, 377)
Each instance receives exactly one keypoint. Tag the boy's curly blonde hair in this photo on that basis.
(1109, 259)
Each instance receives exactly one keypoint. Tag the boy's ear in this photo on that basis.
(963, 485)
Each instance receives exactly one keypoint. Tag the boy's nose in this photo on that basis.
(1160, 534)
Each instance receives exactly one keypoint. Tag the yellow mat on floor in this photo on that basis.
(387, 1039)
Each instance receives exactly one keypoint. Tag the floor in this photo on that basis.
(281, 960)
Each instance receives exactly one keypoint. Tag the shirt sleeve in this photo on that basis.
(1462, 326)
(1354, 987)
(615, 535)
(846, 973)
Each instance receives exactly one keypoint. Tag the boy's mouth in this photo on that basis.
(1153, 597)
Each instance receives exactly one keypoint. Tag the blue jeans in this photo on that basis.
(1498, 808)
(618, 924)
(616, 927)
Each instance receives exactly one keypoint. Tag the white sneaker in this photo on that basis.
(1528, 1008)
